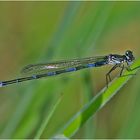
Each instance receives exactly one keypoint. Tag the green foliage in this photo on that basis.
(38, 32)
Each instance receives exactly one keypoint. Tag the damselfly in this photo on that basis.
(37, 71)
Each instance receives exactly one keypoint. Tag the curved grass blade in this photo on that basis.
(98, 102)
(46, 121)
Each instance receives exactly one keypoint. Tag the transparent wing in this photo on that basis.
(59, 65)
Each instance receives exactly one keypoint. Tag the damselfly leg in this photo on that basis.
(108, 77)
(122, 66)
(128, 69)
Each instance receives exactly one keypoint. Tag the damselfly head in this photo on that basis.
(129, 56)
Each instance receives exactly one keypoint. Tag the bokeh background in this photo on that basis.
(36, 32)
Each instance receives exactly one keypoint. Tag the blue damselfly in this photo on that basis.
(37, 71)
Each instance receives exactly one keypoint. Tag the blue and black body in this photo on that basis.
(37, 71)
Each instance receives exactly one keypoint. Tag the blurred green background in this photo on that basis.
(34, 32)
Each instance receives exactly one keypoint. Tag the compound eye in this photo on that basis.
(128, 53)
